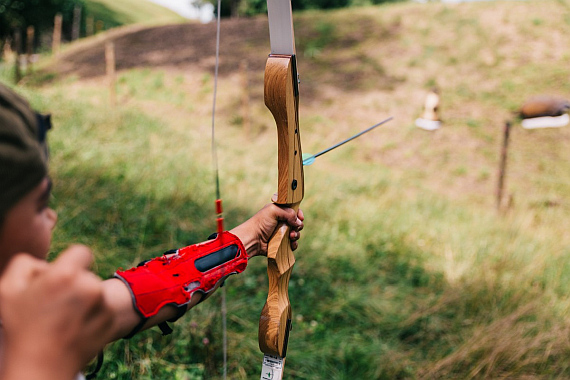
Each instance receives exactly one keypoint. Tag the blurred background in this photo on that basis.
(438, 251)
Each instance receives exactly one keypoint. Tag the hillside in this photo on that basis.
(485, 58)
(127, 12)
(406, 270)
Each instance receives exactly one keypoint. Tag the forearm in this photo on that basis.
(164, 288)
(253, 236)
(120, 300)
(248, 237)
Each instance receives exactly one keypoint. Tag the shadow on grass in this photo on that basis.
(379, 314)
(124, 223)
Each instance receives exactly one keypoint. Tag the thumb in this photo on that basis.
(76, 256)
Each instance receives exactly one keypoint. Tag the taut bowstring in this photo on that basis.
(219, 210)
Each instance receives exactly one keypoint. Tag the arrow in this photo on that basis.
(308, 158)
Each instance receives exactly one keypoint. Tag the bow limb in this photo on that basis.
(282, 98)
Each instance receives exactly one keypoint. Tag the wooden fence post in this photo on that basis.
(110, 60)
(7, 52)
(75, 27)
(18, 49)
(30, 34)
(89, 26)
(56, 43)
(503, 165)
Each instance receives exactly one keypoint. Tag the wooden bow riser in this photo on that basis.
(281, 97)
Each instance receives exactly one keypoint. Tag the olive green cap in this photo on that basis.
(23, 158)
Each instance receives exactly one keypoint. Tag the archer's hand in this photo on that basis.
(54, 316)
(256, 232)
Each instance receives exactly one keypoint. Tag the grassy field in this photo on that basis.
(126, 12)
(406, 270)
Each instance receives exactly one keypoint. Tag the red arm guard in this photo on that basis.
(172, 280)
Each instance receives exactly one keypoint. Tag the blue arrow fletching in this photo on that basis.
(308, 159)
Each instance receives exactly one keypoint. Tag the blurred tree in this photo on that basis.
(233, 8)
(19, 14)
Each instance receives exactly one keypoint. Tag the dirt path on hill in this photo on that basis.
(178, 46)
(191, 46)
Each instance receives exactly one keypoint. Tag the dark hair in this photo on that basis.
(23, 162)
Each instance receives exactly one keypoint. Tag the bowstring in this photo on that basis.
(214, 150)
(217, 180)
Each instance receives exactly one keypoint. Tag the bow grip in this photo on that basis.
(282, 99)
(275, 320)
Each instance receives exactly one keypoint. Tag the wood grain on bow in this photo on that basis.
(282, 98)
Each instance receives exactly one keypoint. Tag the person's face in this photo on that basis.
(28, 225)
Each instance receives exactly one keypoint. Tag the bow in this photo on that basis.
(281, 93)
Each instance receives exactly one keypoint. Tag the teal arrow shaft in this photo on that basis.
(310, 159)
